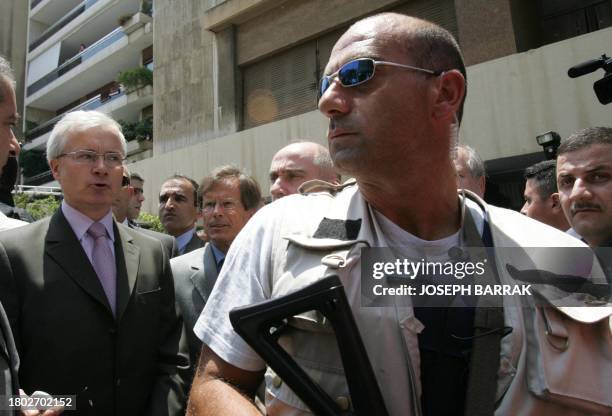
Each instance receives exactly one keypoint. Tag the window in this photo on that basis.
(564, 19)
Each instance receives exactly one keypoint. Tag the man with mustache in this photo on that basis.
(584, 179)
(393, 91)
(229, 198)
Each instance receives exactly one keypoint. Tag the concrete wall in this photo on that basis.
(249, 149)
(183, 75)
(485, 29)
(510, 101)
(13, 39)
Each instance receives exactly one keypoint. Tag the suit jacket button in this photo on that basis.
(118, 382)
(112, 331)
(343, 403)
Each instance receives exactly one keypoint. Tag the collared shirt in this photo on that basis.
(219, 256)
(80, 223)
(184, 239)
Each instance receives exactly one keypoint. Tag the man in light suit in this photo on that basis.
(121, 207)
(91, 302)
(228, 198)
(178, 211)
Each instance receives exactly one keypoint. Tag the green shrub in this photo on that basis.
(151, 222)
(141, 130)
(38, 208)
(135, 78)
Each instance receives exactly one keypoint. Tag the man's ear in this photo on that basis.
(482, 183)
(556, 202)
(54, 165)
(450, 93)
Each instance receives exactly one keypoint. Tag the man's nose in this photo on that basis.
(335, 100)
(524, 209)
(276, 189)
(580, 190)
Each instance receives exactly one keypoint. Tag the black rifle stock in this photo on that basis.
(260, 326)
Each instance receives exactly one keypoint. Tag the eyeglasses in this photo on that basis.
(227, 205)
(362, 70)
(89, 157)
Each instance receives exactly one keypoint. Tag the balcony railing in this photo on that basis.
(76, 60)
(55, 27)
(39, 179)
(88, 105)
(34, 3)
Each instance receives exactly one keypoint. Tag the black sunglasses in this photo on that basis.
(362, 70)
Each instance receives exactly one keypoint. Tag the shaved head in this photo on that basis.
(297, 163)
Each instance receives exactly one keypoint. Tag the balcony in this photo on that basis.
(34, 3)
(97, 65)
(92, 104)
(40, 179)
(119, 104)
(77, 60)
(59, 24)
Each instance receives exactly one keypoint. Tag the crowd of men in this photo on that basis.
(131, 321)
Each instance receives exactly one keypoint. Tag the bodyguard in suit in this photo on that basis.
(178, 211)
(121, 206)
(91, 302)
(228, 198)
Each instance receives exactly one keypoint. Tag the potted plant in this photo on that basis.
(135, 78)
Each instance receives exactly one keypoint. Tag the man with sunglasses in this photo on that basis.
(393, 91)
(91, 302)
(137, 184)
(121, 208)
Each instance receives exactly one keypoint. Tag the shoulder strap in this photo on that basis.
(488, 331)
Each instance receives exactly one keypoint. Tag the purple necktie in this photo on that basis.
(103, 262)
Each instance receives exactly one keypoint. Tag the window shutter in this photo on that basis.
(280, 86)
(440, 12)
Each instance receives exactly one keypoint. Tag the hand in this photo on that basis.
(55, 411)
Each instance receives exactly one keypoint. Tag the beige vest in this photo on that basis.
(390, 333)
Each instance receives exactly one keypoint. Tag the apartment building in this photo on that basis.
(76, 51)
(235, 80)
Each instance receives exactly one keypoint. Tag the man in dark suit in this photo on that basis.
(228, 198)
(9, 360)
(91, 302)
(137, 198)
(121, 206)
(178, 211)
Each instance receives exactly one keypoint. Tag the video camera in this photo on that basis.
(603, 87)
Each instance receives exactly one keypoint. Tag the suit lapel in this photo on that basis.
(127, 255)
(205, 273)
(63, 247)
(193, 244)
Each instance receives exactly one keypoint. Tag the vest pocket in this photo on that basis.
(311, 342)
